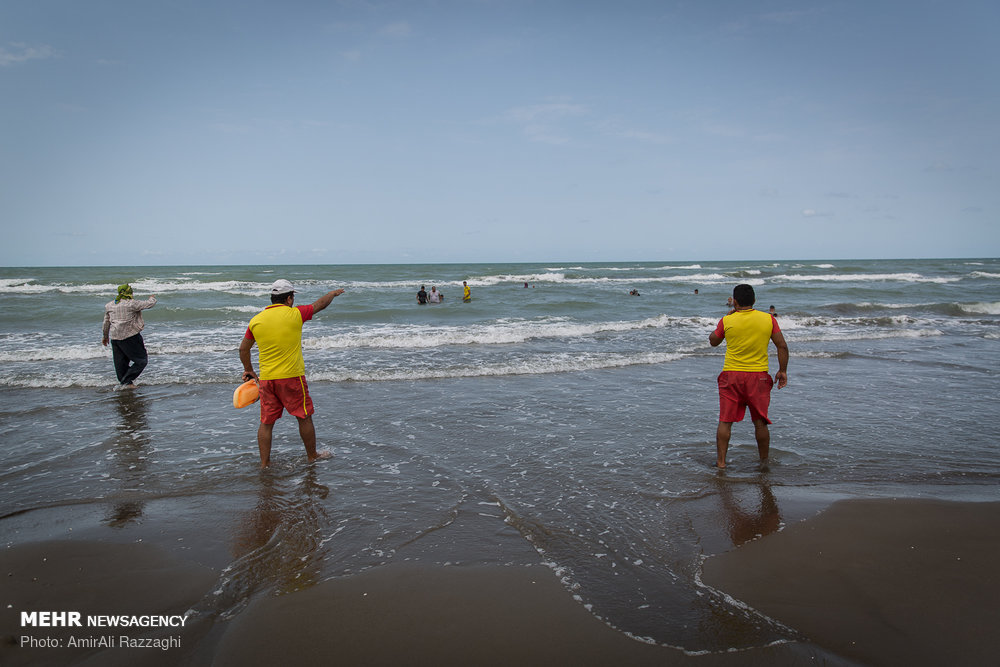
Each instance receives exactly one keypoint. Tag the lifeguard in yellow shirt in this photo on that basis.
(277, 331)
(745, 381)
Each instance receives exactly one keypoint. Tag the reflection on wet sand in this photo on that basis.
(279, 542)
(278, 545)
(743, 525)
(130, 451)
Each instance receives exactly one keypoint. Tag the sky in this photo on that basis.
(418, 131)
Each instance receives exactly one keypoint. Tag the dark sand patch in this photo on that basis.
(885, 582)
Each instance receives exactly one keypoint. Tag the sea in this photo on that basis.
(555, 418)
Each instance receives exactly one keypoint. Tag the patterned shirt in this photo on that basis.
(124, 319)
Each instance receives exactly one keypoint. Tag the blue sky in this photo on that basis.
(496, 130)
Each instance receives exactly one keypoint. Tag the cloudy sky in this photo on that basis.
(201, 132)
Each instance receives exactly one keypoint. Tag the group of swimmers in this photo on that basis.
(434, 296)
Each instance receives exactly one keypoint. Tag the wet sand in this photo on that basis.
(871, 582)
(94, 578)
(884, 582)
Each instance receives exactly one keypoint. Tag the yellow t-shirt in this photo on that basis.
(747, 333)
(278, 332)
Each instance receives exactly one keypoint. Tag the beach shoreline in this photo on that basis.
(866, 581)
(552, 445)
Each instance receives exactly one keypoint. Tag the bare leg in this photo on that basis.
(307, 431)
(264, 443)
(763, 435)
(722, 435)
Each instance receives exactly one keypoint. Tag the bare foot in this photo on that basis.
(321, 454)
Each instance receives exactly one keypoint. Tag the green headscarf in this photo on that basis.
(124, 292)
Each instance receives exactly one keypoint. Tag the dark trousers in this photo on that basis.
(132, 351)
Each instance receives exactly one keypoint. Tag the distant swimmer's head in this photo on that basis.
(281, 289)
(744, 295)
(124, 292)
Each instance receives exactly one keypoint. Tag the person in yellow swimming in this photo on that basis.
(745, 381)
(467, 293)
(277, 331)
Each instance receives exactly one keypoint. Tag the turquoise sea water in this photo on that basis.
(565, 420)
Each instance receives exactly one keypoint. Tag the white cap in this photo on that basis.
(281, 286)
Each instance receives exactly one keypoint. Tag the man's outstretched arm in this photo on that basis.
(326, 300)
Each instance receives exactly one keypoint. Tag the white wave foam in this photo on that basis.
(97, 351)
(703, 278)
(622, 268)
(538, 365)
(28, 348)
(981, 308)
(143, 286)
(984, 274)
(30, 287)
(185, 284)
(848, 335)
(63, 353)
(554, 277)
(894, 306)
(865, 277)
(859, 323)
(498, 333)
(14, 282)
(238, 309)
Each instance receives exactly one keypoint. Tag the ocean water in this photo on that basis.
(553, 417)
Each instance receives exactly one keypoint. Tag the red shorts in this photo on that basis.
(290, 394)
(739, 390)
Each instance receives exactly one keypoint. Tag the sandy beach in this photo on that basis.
(886, 582)
(523, 479)
(874, 582)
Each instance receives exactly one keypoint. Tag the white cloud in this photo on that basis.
(939, 166)
(20, 52)
(549, 111)
(539, 122)
(646, 137)
(398, 29)
(791, 16)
